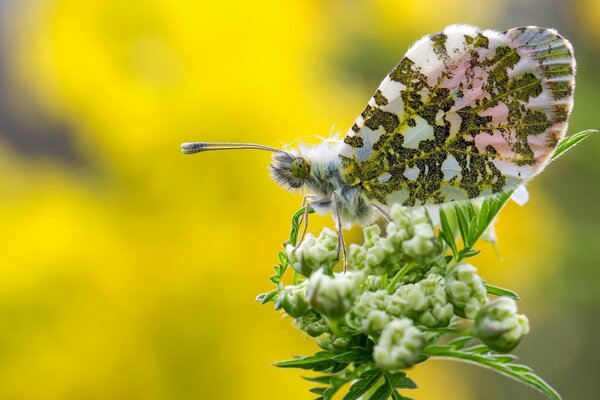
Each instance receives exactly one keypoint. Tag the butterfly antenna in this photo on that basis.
(198, 147)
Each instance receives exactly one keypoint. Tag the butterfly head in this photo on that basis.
(290, 170)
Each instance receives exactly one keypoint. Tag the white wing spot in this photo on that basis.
(421, 131)
(385, 177)
(450, 168)
(412, 173)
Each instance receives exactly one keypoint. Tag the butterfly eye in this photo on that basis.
(300, 168)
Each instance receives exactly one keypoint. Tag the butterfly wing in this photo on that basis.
(466, 113)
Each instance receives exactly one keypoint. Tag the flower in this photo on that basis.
(499, 326)
(426, 301)
(313, 324)
(332, 296)
(370, 313)
(314, 252)
(293, 300)
(465, 289)
(332, 342)
(399, 345)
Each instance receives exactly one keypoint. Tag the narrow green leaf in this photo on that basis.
(468, 252)
(337, 367)
(504, 358)
(396, 395)
(463, 224)
(477, 356)
(461, 342)
(382, 393)
(405, 383)
(282, 258)
(309, 362)
(353, 356)
(499, 291)
(473, 232)
(478, 349)
(446, 232)
(295, 229)
(570, 141)
(317, 390)
(264, 298)
(324, 379)
(334, 388)
(469, 210)
(363, 384)
(392, 380)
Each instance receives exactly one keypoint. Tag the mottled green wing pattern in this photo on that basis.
(466, 113)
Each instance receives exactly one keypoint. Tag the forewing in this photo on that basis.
(466, 113)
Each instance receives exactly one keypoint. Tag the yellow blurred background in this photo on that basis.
(129, 271)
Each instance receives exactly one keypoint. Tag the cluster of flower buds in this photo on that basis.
(410, 239)
(397, 288)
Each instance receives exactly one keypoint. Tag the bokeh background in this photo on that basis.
(129, 271)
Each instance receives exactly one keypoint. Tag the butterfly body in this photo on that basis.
(325, 182)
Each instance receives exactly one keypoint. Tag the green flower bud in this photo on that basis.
(313, 324)
(499, 326)
(466, 290)
(293, 300)
(333, 296)
(334, 343)
(426, 301)
(314, 252)
(372, 256)
(399, 345)
(371, 312)
(411, 232)
(422, 243)
(357, 256)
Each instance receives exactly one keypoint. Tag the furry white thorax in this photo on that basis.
(325, 183)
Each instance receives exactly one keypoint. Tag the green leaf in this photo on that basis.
(399, 380)
(333, 384)
(570, 141)
(295, 229)
(353, 356)
(463, 222)
(264, 298)
(283, 259)
(446, 232)
(337, 367)
(363, 384)
(490, 208)
(468, 252)
(499, 291)
(324, 379)
(382, 393)
(320, 359)
(484, 357)
(461, 342)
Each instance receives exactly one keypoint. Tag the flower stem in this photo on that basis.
(399, 275)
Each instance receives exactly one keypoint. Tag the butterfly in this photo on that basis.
(466, 113)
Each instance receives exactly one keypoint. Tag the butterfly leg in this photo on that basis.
(342, 243)
(383, 213)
